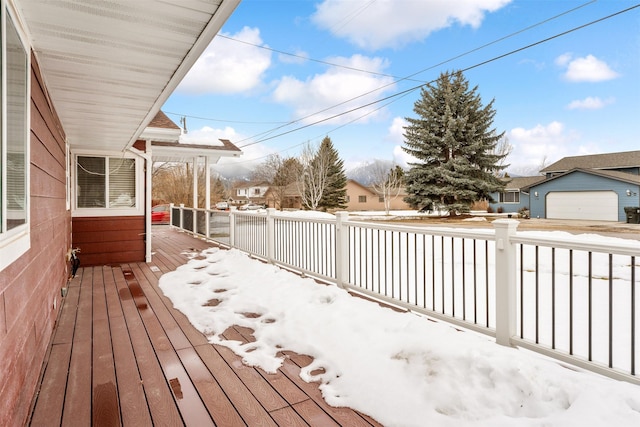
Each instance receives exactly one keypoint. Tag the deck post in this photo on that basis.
(232, 227)
(271, 233)
(342, 249)
(207, 195)
(505, 274)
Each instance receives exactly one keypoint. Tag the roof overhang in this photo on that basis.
(162, 151)
(110, 66)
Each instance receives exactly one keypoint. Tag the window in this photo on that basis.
(362, 199)
(381, 199)
(106, 183)
(14, 147)
(510, 197)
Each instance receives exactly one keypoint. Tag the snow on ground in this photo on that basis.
(400, 368)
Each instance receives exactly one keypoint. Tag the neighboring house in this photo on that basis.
(592, 187)
(362, 198)
(291, 198)
(79, 86)
(514, 198)
(251, 192)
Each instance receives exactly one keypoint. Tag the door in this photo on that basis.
(589, 205)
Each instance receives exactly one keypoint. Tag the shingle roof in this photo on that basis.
(162, 121)
(596, 161)
(519, 182)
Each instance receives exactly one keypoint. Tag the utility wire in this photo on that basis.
(418, 72)
(495, 58)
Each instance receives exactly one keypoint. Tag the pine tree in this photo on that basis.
(454, 147)
(334, 195)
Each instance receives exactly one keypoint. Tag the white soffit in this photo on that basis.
(110, 65)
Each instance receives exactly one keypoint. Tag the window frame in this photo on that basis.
(16, 241)
(137, 210)
(516, 194)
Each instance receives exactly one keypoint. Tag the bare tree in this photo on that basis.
(279, 173)
(387, 182)
(502, 150)
(314, 177)
(173, 183)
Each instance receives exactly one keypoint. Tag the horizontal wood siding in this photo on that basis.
(109, 240)
(30, 296)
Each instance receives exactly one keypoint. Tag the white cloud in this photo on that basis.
(589, 103)
(336, 86)
(208, 136)
(586, 69)
(532, 147)
(388, 23)
(227, 66)
(396, 136)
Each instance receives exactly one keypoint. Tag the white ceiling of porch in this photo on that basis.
(110, 65)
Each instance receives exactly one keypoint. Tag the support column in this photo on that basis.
(505, 272)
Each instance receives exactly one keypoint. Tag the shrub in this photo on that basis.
(500, 209)
(489, 209)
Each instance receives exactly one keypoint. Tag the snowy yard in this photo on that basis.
(400, 368)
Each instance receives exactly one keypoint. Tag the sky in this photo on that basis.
(563, 76)
(400, 368)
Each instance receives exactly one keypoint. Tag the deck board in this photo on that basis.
(122, 355)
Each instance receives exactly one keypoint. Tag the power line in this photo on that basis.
(421, 71)
(495, 58)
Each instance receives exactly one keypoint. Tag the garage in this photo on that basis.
(589, 205)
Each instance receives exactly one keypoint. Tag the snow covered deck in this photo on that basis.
(121, 355)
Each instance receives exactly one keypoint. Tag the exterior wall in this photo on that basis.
(30, 287)
(373, 203)
(580, 181)
(109, 240)
(510, 207)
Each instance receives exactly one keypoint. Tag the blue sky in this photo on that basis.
(285, 73)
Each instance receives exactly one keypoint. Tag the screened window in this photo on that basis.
(362, 199)
(14, 154)
(105, 182)
(510, 197)
(15, 171)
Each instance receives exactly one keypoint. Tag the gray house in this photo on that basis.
(592, 187)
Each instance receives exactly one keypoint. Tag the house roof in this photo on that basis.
(596, 161)
(161, 120)
(615, 175)
(164, 151)
(109, 66)
(520, 182)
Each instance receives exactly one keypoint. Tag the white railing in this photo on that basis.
(572, 300)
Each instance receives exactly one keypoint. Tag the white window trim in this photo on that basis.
(14, 243)
(511, 191)
(86, 212)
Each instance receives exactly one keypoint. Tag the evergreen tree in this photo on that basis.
(334, 195)
(454, 147)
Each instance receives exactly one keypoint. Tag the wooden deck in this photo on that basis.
(121, 355)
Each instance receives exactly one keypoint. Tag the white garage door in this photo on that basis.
(591, 205)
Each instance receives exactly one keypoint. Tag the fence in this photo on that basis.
(569, 298)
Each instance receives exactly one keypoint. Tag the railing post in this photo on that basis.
(271, 235)
(342, 249)
(232, 227)
(505, 273)
(181, 216)
(171, 214)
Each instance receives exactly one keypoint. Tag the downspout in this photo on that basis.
(147, 194)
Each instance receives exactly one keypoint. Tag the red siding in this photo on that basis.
(30, 286)
(109, 240)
